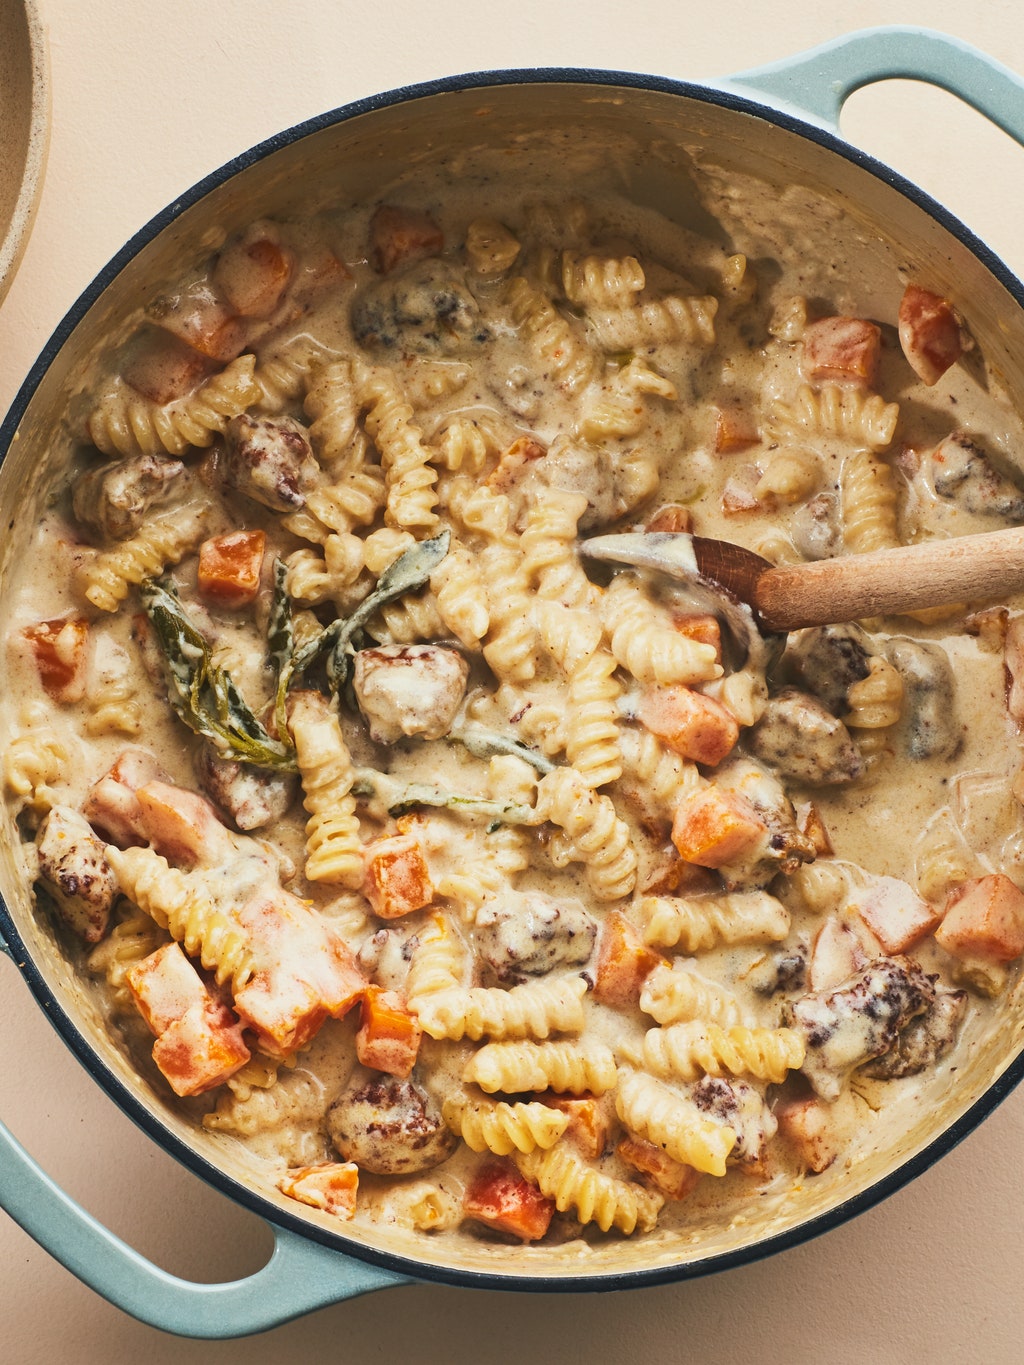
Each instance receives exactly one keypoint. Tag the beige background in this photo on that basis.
(149, 96)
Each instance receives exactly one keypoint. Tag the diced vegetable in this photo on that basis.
(735, 429)
(182, 825)
(695, 726)
(112, 807)
(397, 877)
(502, 1199)
(929, 333)
(162, 367)
(703, 628)
(253, 275)
(672, 516)
(304, 972)
(230, 566)
(623, 962)
(806, 1125)
(202, 319)
(389, 1034)
(199, 1040)
(331, 1186)
(674, 1179)
(842, 349)
(715, 826)
(837, 953)
(588, 1127)
(984, 919)
(59, 650)
(896, 914)
(398, 235)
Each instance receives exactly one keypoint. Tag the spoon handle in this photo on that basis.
(886, 582)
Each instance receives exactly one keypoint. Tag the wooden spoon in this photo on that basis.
(848, 588)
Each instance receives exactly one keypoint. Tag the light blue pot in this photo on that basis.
(310, 1268)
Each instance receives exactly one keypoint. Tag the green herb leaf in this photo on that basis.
(204, 695)
(486, 743)
(410, 571)
(398, 798)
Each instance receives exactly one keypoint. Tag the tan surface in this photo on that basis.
(147, 98)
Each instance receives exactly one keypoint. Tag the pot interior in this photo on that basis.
(692, 158)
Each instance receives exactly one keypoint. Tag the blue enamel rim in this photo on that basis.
(122, 1095)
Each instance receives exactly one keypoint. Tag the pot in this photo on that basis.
(778, 123)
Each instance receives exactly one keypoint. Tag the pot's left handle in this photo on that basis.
(299, 1277)
(818, 82)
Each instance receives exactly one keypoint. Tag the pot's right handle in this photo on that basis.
(299, 1277)
(818, 82)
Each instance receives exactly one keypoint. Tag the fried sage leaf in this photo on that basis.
(204, 695)
(486, 743)
(398, 798)
(333, 645)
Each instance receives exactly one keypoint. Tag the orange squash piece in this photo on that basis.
(714, 827)
(389, 1034)
(397, 878)
(230, 567)
(695, 726)
(623, 962)
(984, 918)
(59, 650)
(502, 1199)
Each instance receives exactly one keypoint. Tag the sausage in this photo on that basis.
(527, 933)
(961, 472)
(613, 484)
(802, 740)
(114, 500)
(828, 660)
(929, 694)
(388, 1126)
(253, 797)
(74, 870)
(409, 690)
(858, 1021)
(742, 1108)
(785, 847)
(924, 1041)
(269, 460)
(427, 309)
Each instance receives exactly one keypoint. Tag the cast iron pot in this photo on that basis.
(789, 139)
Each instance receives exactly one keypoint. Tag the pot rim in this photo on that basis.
(12, 942)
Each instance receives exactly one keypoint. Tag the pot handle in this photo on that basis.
(818, 82)
(299, 1277)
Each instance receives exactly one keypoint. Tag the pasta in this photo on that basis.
(696, 925)
(561, 1066)
(180, 904)
(686, 1050)
(486, 1126)
(649, 1108)
(534, 1010)
(673, 994)
(576, 862)
(334, 851)
(597, 1198)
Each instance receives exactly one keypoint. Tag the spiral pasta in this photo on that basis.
(594, 834)
(178, 902)
(557, 348)
(125, 423)
(563, 1066)
(334, 851)
(657, 1113)
(106, 578)
(694, 1047)
(409, 476)
(562, 1175)
(461, 596)
(601, 281)
(646, 646)
(534, 1010)
(675, 993)
(284, 1118)
(437, 962)
(501, 1128)
(550, 559)
(869, 504)
(863, 419)
(676, 317)
(331, 402)
(701, 923)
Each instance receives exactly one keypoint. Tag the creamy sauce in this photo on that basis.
(548, 371)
